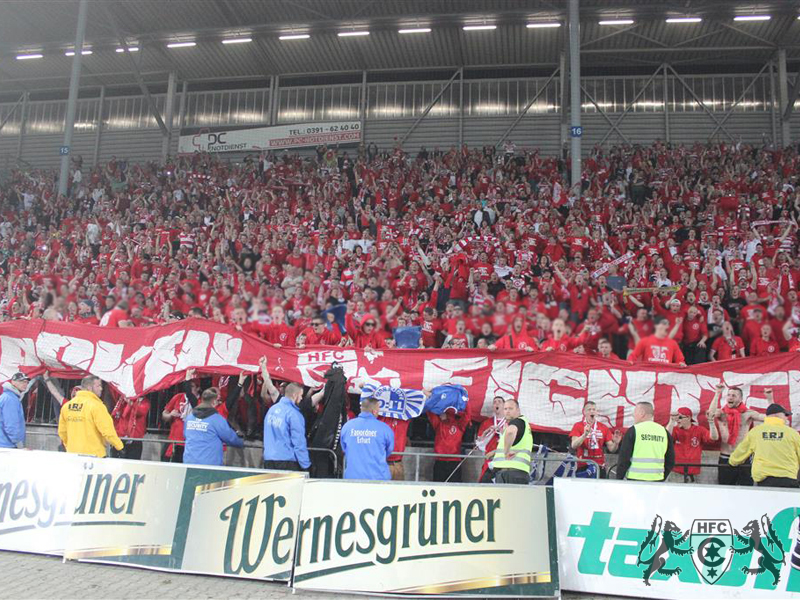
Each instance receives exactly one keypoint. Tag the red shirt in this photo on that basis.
(113, 317)
(130, 418)
(592, 447)
(689, 447)
(761, 348)
(449, 434)
(727, 349)
(180, 403)
(656, 350)
(400, 430)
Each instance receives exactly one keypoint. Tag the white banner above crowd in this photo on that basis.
(551, 387)
(255, 139)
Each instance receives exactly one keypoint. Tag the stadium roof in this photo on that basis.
(47, 27)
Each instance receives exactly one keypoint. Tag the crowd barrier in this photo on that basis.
(676, 541)
(651, 540)
(343, 536)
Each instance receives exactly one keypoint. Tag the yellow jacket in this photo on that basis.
(85, 425)
(776, 447)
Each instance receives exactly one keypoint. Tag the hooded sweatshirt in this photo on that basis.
(85, 426)
(12, 418)
(205, 431)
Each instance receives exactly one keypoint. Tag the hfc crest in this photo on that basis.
(711, 540)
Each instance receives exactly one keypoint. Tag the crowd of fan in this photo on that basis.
(476, 247)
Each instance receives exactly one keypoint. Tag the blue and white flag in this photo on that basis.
(398, 403)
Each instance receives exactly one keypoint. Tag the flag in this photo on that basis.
(398, 403)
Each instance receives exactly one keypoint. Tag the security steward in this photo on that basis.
(647, 451)
(85, 425)
(512, 459)
(776, 449)
(367, 444)
(285, 447)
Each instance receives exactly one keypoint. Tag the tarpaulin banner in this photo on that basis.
(270, 138)
(551, 387)
(192, 519)
(427, 539)
(658, 540)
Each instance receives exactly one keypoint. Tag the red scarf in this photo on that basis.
(734, 421)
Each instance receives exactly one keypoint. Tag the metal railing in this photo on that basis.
(542, 476)
(164, 442)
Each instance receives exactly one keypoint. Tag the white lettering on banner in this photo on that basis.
(503, 381)
(78, 354)
(441, 371)
(612, 388)
(312, 365)
(194, 350)
(47, 347)
(383, 377)
(687, 388)
(226, 351)
(536, 384)
(16, 353)
(162, 360)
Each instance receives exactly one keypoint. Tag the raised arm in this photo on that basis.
(268, 390)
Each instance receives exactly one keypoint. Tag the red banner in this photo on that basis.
(551, 387)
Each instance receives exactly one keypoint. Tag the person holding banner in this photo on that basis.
(658, 348)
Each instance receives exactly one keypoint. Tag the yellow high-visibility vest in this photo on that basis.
(522, 449)
(650, 447)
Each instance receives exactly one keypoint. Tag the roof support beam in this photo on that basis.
(445, 87)
(739, 99)
(783, 98)
(699, 101)
(136, 72)
(72, 100)
(527, 107)
(786, 111)
(631, 103)
(574, 33)
(603, 114)
(12, 111)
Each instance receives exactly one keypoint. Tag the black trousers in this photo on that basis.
(282, 465)
(512, 476)
(131, 451)
(782, 482)
(734, 475)
(694, 354)
(177, 453)
(442, 469)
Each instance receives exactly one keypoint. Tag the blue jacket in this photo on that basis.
(206, 431)
(367, 443)
(285, 433)
(12, 419)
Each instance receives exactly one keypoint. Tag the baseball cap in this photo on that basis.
(20, 376)
(775, 408)
(684, 411)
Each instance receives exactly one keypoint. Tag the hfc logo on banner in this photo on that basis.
(711, 544)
